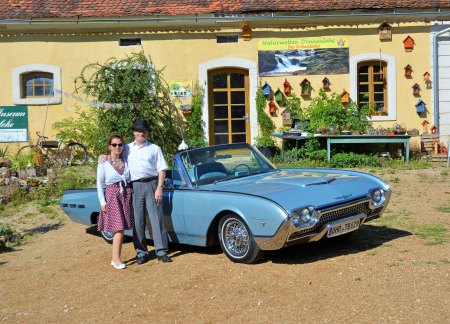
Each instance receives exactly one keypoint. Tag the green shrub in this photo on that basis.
(351, 160)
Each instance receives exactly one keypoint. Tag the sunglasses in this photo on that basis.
(117, 144)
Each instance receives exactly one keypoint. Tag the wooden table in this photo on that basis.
(367, 139)
(348, 139)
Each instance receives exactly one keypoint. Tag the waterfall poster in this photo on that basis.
(303, 56)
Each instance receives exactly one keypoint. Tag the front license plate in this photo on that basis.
(343, 228)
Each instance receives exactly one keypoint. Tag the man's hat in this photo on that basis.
(141, 125)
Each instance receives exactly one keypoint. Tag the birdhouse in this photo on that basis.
(286, 117)
(424, 123)
(278, 96)
(385, 31)
(416, 89)
(408, 43)
(306, 88)
(345, 97)
(408, 70)
(420, 108)
(266, 89)
(246, 32)
(433, 129)
(325, 83)
(271, 106)
(426, 77)
(287, 86)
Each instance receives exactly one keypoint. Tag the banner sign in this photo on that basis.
(180, 88)
(303, 56)
(13, 123)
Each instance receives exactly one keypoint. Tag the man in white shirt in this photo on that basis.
(147, 170)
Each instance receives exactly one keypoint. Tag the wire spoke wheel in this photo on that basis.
(237, 241)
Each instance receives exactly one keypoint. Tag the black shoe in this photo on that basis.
(142, 260)
(164, 258)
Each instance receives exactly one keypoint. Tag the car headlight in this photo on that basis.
(304, 217)
(378, 197)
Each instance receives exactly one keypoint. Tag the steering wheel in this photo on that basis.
(240, 165)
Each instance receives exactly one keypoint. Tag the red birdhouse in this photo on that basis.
(408, 43)
(287, 86)
(433, 129)
(408, 70)
(271, 106)
(325, 83)
(416, 89)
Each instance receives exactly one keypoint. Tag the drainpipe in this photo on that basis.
(436, 77)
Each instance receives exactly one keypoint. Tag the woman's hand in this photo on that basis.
(103, 207)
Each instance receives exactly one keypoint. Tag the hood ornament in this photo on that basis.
(343, 197)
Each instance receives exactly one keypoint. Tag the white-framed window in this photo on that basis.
(385, 98)
(35, 84)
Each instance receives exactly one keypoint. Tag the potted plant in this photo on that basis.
(266, 145)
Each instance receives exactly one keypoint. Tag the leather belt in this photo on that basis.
(146, 179)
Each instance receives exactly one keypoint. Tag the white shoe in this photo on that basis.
(119, 267)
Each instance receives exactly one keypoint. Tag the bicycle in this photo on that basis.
(50, 153)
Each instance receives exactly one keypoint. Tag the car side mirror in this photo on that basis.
(168, 183)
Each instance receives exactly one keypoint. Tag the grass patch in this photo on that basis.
(433, 234)
(443, 209)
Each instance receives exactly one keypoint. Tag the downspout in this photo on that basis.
(436, 77)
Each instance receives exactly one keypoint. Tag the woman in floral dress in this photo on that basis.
(116, 214)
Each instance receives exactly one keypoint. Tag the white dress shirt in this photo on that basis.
(145, 160)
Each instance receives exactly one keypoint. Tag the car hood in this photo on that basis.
(292, 188)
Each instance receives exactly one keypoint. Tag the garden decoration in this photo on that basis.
(385, 31)
(287, 86)
(278, 96)
(408, 71)
(420, 107)
(306, 88)
(425, 124)
(266, 89)
(416, 89)
(345, 97)
(271, 106)
(426, 77)
(246, 32)
(408, 44)
(325, 83)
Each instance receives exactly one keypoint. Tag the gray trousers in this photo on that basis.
(144, 200)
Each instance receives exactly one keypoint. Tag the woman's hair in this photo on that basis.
(113, 137)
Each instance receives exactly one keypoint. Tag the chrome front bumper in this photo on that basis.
(288, 234)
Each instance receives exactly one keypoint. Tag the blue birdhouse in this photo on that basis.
(266, 89)
(420, 106)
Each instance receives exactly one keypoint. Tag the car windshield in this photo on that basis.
(224, 162)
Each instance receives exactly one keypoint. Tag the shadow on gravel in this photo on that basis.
(11, 242)
(366, 238)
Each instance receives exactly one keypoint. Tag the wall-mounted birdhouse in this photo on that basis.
(278, 96)
(271, 106)
(425, 124)
(306, 88)
(385, 31)
(426, 77)
(416, 89)
(408, 70)
(325, 83)
(408, 43)
(246, 32)
(266, 89)
(433, 129)
(286, 117)
(420, 108)
(287, 86)
(345, 97)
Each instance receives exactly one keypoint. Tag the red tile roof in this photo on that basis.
(26, 9)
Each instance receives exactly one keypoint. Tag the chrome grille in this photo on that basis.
(336, 214)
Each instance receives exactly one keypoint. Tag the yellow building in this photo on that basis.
(231, 48)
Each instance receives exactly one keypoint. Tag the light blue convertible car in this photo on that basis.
(233, 196)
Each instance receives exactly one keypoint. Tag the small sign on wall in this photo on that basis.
(13, 124)
(180, 88)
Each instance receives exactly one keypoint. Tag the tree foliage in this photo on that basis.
(141, 91)
(194, 124)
